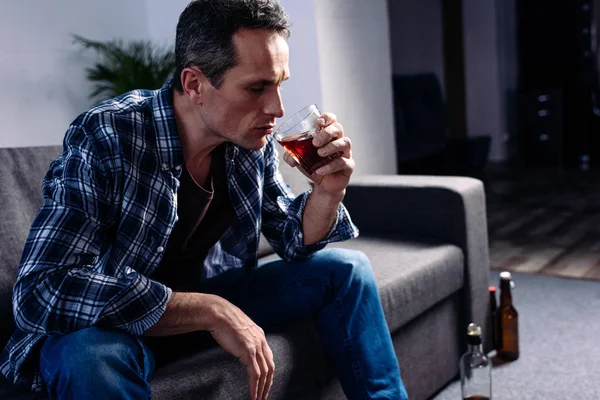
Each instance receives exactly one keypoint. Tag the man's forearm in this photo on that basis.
(186, 312)
(319, 215)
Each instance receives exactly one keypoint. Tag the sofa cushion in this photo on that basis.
(21, 176)
(300, 370)
(264, 248)
(412, 276)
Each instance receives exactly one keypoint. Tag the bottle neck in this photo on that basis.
(505, 293)
(475, 348)
(493, 303)
(474, 344)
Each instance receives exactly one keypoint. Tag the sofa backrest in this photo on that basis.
(21, 175)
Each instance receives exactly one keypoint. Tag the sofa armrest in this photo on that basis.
(450, 209)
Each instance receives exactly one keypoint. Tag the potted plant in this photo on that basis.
(139, 64)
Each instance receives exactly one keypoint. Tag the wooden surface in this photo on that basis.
(545, 221)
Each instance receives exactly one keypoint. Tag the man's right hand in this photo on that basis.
(239, 335)
(231, 328)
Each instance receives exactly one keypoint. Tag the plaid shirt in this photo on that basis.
(109, 205)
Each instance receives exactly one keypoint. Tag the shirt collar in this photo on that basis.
(165, 127)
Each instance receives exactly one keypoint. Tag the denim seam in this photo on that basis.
(349, 348)
(141, 364)
(49, 385)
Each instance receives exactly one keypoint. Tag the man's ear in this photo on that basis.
(193, 82)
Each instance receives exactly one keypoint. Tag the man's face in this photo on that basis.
(244, 108)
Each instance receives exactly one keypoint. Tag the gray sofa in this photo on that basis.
(426, 238)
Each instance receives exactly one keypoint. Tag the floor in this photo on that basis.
(544, 221)
(558, 342)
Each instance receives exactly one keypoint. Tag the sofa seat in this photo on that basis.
(412, 276)
(406, 269)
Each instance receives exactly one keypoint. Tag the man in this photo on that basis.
(151, 219)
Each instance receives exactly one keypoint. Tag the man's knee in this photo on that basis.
(353, 264)
(91, 351)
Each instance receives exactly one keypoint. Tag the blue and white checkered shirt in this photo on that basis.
(109, 205)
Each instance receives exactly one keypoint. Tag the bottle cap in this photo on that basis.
(505, 276)
(473, 330)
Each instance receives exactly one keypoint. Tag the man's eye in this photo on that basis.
(257, 89)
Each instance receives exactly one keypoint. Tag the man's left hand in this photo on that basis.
(333, 178)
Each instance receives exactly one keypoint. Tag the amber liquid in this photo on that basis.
(476, 397)
(305, 152)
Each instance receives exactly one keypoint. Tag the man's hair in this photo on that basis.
(205, 33)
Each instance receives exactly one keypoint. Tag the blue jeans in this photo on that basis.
(336, 287)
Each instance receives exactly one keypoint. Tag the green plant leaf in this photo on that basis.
(122, 67)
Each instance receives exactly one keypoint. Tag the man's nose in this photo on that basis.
(274, 105)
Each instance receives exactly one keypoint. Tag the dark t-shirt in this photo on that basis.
(204, 214)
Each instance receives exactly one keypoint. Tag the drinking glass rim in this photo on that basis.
(282, 128)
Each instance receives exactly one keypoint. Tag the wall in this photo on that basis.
(161, 19)
(304, 86)
(508, 67)
(416, 37)
(340, 59)
(355, 68)
(490, 59)
(483, 91)
(42, 73)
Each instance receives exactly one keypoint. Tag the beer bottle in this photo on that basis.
(508, 320)
(492, 322)
(475, 368)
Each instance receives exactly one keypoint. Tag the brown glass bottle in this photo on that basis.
(492, 329)
(508, 321)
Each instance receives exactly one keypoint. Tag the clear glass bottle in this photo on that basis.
(475, 368)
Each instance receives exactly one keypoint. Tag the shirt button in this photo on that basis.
(160, 249)
(33, 387)
(177, 167)
(165, 167)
